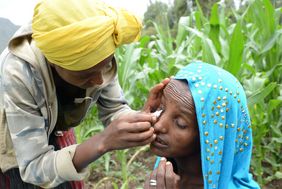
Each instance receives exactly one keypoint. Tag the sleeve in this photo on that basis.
(38, 163)
(158, 159)
(111, 103)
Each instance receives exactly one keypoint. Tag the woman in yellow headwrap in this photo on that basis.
(53, 71)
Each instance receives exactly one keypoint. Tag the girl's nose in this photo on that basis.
(161, 125)
(97, 79)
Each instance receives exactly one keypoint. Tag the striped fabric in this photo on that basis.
(64, 139)
(11, 179)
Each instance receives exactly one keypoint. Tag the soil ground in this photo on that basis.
(143, 163)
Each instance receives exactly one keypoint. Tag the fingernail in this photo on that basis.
(154, 118)
(168, 163)
(163, 159)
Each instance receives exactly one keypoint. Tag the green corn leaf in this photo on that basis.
(215, 27)
(236, 50)
(144, 41)
(182, 32)
(270, 15)
(279, 140)
(260, 94)
(270, 72)
(115, 185)
(272, 41)
(276, 129)
(209, 51)
(273, 104)
(278, 175)
(208, 55)
(200, 16)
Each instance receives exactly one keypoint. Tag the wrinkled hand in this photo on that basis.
(130, 130)
(154, 99)
(164, 176)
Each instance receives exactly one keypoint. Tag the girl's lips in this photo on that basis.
(159, 143)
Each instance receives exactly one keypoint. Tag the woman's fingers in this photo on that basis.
(147, 181)
(154, 92)
(138, 117)
(139, 137)
(153, 180)
(171, 179)
(139, 127)
(162, 177)
(166, 81)
(161, 174)
(131, 130)
(154, 98)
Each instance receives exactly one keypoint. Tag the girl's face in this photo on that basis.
(176, 129)
(86, 78)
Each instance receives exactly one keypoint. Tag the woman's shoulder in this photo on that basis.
(14, 69)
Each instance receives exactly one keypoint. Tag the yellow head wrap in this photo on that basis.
(78, 34)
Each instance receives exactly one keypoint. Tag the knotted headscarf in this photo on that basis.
(78, 34)
(224, 126)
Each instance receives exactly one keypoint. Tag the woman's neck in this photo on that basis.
(190, 172)
(65, 91)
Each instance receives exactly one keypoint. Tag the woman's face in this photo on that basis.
(176, 129)
(86, 78)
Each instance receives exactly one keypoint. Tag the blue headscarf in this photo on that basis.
(224, 126)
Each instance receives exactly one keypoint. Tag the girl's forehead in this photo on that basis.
(178, 92)
(176, 86)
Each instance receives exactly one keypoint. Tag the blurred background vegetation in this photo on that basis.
(244, 38)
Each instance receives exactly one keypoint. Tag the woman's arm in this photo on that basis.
(131, 130)
(38, 163)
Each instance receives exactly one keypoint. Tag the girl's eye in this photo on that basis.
(162, 108)
(180, 124)
(107, 68)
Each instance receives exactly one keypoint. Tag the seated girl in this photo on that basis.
(203, 132)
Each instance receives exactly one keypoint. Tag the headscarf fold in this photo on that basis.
(224, 126)
(78, 34)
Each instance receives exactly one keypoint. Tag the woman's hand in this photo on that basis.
(130, 130)
(162, 177)
(154, 99)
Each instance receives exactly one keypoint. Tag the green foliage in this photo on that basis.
(246, 42)
(154, 12)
